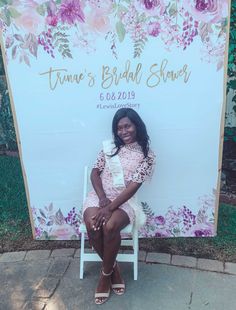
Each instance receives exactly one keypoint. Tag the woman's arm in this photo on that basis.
(124, 196)
(97, 185)
(106, 213)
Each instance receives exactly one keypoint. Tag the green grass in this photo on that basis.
(15, 229)
(13, 206)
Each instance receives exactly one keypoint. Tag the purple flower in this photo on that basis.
(150, 4)
(154, 29)
(207, 10)
(203, 233)
(150, 7)
(38, 232)
(201, 5)
(198, 233)
(161, 234)
(160, 220)
(70, 12)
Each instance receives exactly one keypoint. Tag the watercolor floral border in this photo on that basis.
(51, 224)
(58, 26)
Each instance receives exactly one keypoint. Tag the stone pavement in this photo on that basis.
(49, 280)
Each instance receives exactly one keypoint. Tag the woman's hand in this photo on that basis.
(103, 202)
(102, 216)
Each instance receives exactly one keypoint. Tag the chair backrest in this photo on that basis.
(87, 182)
(85, 189)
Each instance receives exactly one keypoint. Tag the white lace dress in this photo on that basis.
(136, 168)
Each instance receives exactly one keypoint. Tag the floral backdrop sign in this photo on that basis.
(72, 63)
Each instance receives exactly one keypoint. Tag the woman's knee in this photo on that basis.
(92, 234)
(110, 230)
(88, 214)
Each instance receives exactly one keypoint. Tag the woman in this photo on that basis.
(117, 175)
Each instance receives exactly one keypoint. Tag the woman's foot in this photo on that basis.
(118, 285)
(103, 288)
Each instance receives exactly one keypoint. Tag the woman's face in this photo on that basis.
(126, 130)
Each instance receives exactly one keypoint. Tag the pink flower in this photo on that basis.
(162, 233)
(214, 52)
(52, 20)
(9, 41)
(153, 29)
(63, 232)
(208, 11)
(30, 20)
(38, 232)
(98, 22)
(97, 16)
(70, 12)
(202, 230)
(151, 7)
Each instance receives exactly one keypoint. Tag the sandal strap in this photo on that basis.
(106, 274)
(102, 295)
(121, 285)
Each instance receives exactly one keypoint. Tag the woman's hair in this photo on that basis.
(141, 131)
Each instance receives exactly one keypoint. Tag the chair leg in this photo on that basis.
(82, 257)
(135, 270)
(136, 248)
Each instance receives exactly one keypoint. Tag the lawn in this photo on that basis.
(15, 229)
(13, 206)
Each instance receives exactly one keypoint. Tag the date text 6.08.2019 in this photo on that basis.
(120, 95)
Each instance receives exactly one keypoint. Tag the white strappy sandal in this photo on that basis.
(100, 298)
(118, 288)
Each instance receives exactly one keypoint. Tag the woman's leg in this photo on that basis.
(112, 238)
(95, 237)
(111, 245)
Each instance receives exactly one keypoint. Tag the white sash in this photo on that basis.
(116, 170)
(113, 164)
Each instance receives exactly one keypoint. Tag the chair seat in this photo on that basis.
(127, 230)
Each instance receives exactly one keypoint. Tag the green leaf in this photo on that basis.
(120, 31)
(13, 12)
(234, 98)
(73, 237)
(176, 231)
(234, 139)
(6, 17)
(173, 10)
(121, 8)
(41, 10)
(44, 236)
(231, 58)
(232, 84)
(228, 131)
(3, 2)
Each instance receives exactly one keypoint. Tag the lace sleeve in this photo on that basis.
(145, 169)
(100, 162)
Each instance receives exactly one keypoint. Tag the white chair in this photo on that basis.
(121, 257)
